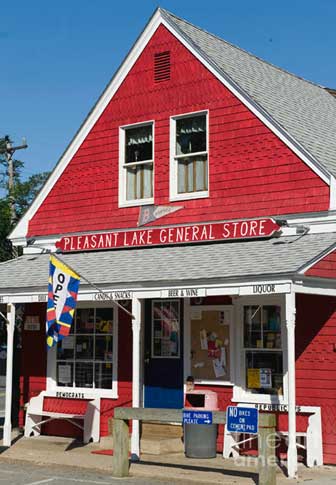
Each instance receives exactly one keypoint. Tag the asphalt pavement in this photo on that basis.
(28, 474)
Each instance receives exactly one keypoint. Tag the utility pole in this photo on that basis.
(9, 151)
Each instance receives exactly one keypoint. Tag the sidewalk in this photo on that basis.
(65, 452)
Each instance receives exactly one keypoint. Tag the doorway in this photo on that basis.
(163, 352)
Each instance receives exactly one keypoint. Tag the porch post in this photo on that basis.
(136, 364)
(290, 327)
(7, 430)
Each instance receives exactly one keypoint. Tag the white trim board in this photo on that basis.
(230, 289)
(160, 18)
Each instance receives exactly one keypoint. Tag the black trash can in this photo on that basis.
(200, 440)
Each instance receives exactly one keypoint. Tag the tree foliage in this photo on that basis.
(23, 193)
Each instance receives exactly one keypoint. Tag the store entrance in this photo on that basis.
(163, 373)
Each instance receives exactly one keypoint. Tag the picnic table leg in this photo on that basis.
(120, 448)
(266, 445)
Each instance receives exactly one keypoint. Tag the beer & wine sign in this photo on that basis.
(156, 236)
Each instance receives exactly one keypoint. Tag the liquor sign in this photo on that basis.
(156, 236)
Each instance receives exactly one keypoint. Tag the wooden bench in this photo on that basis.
(310, 440)
(36, 416)
(266, 466)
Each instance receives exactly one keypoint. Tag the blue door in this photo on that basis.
(163, 354)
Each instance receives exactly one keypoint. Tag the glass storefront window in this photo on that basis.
(85, 357)
(263, 349)
(166, 329)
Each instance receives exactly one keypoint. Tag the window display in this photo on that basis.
(166, 328)
(263, 349)
(84, 358)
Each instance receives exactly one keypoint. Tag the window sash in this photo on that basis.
(88, 364)
(192, 174)
(190, 153)
(166, 329)
(136, 172)
(141, 137)
(188, 127)
(257, 320)
(139, 181)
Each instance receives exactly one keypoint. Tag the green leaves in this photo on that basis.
(24, 192)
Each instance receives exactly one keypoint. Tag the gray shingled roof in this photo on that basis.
(305, 110)
(229, 261)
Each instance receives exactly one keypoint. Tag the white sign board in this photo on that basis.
(183, 293)
(264, 289)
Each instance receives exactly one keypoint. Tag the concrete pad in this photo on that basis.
(66, 452)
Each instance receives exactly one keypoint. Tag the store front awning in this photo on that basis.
(171, 265)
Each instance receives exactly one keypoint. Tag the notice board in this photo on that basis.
(210, 344)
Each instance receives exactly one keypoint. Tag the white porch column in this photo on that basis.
(290, 327)
(7, 430)
(136, 365)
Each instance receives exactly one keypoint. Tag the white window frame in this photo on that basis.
(187, 345)
(240, 392)
(51, 385)
(123, 202)
(174, 195)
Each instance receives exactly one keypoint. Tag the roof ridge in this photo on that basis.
(164, 11)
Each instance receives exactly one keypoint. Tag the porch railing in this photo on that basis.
(266, 438)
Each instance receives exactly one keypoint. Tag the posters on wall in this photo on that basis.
(68, 343)
(32, 323)
(259, 378)
(210, 337)
(64, 374)
(166, 329)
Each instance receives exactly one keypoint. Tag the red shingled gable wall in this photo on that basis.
(325, 268)
(316, 364)
(252, 172)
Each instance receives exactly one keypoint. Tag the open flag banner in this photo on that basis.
(63, 289)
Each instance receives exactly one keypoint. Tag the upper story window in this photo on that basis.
(136, 164)
(189, 156)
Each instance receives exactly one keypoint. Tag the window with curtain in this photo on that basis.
(263, 354)
(191, 153)
(85, 357)
(138, 162)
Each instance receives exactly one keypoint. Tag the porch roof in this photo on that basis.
(157, 266)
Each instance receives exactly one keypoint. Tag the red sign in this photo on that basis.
(156, 236)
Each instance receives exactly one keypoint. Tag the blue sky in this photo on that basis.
(57, 57)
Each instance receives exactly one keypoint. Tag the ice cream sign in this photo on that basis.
(156, 236)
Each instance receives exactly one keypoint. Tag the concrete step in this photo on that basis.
(151, 429)
(159, 439)
(156, 439)
(161, 446)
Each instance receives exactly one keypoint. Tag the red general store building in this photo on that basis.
(233, 281)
